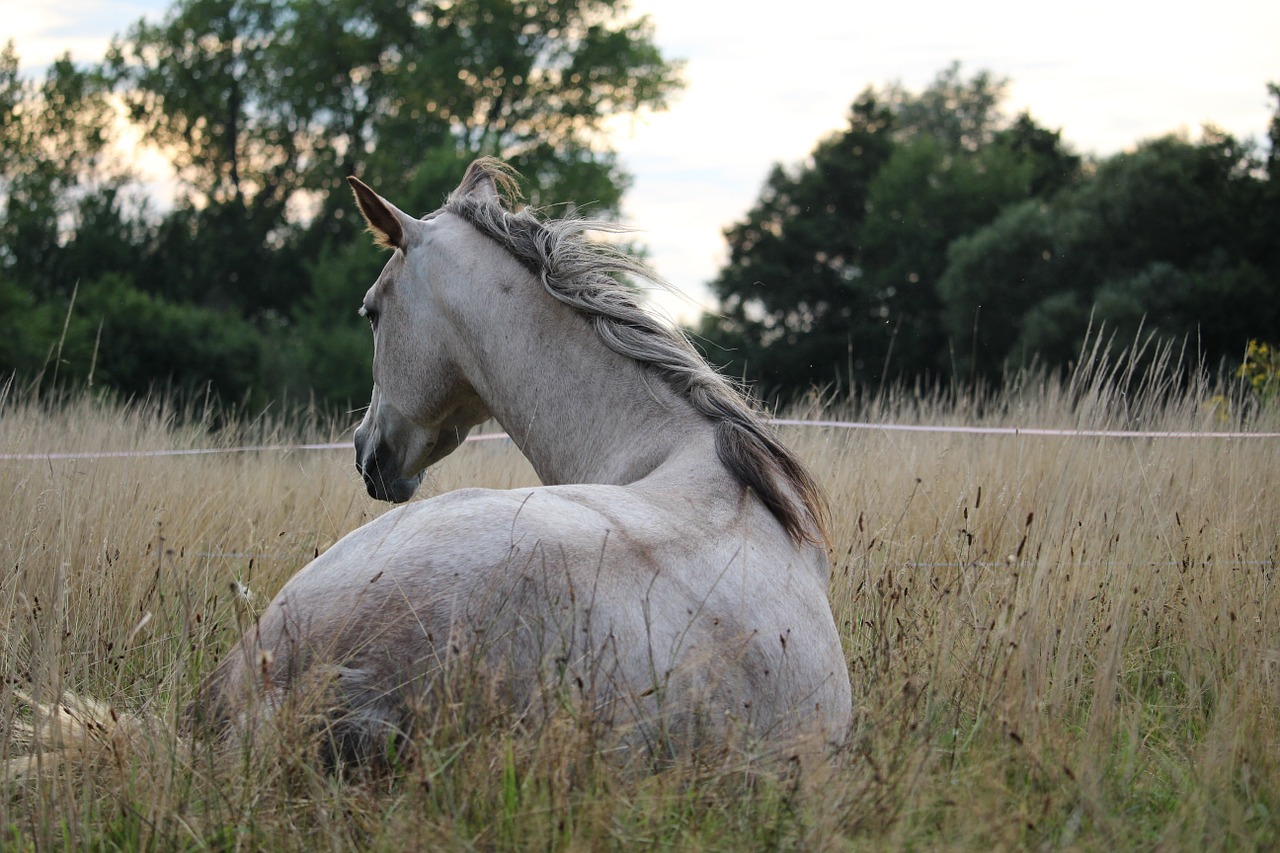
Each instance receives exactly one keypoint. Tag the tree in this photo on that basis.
(53, 134)
(51, 141)
(266, 106)
(790, 288)
(262, 98)
(1168, 238)
(834, 272)
(1269, 225)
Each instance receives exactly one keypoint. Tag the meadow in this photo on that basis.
(1055, 642)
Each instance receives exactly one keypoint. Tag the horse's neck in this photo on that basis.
(580, 412)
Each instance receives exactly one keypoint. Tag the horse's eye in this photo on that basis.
(370, 314)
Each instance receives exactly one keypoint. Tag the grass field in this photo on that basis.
(1054, 643)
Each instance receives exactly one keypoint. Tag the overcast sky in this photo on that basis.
(766, 81)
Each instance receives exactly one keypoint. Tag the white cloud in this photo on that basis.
(43, 31)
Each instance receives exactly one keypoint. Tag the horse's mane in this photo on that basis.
(580, 274)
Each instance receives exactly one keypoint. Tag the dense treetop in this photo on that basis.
(938, 237)
(263, 106)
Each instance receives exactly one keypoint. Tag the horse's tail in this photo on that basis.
(79, 727)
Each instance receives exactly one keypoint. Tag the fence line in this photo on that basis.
(1035, 431)
(858, 425)
(204, 451)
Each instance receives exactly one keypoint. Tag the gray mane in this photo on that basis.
(580, 274)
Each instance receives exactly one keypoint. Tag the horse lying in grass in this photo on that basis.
(670, 577)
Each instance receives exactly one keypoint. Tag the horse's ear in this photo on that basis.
(380, 214)
(483, 187)
(488, 179)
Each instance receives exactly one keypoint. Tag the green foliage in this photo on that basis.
(1261, 370)
(789, 288)
(112, 334)
(27, 329)
(264, 106)
(331, 344)
(200, 84)
(836, 268)
(942, 239)
(52, 136)
(262, 99)
(936, 237)
(1160, 239)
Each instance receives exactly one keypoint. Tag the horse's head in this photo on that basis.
(422, 407)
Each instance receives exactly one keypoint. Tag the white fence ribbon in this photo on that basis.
(860, 425)
(977, 430)
(204, 451)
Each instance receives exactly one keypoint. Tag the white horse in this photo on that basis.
(670, 576)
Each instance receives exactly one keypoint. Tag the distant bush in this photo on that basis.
(112, 334)
(1261, 370)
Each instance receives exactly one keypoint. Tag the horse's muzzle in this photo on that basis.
(382, 486)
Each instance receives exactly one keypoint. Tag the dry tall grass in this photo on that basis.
(1054, 642)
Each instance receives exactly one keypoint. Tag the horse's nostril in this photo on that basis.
(368, 468)
(366, 458)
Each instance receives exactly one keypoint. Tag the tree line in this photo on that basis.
(940, 239)
(937, 238)
(247, 286)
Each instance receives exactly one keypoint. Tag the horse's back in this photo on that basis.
(606, 592)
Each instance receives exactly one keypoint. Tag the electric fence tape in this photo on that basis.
(858, 425)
